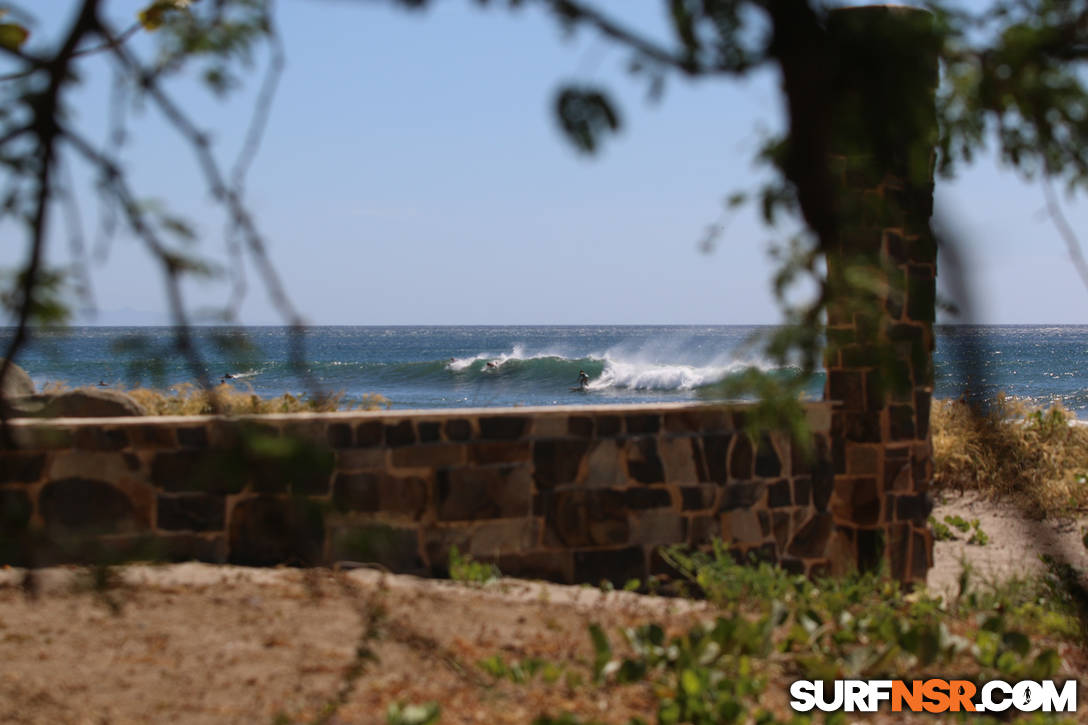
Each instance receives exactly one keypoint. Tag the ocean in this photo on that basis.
(481, 366)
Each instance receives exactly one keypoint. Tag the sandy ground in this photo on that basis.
(194, 643)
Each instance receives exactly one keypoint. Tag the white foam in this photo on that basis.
(660, 376)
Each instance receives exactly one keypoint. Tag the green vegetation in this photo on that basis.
(943, 531)
(773, 627)
(465, 569)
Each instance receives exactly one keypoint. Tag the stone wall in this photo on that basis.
(573, 494)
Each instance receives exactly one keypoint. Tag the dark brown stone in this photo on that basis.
(356, 491)
(555, 566)
(778, 494)
(767, 463)
(643, 423)
(870, 549)
(862, 460)
(19, 467)
(15, 510)
(742, 495)
(899, 550)
(458, 429)
(467, 494)
(792, 566)
(586, 518)
(857, 500)
(209, 471)
(902, 422)
(81, 504)
(684, 421)
(702, 529)
(697, 498)
(188, 547)
(371, 492)
(846, 387)
(192, 437)
(266, 530)
(921, 555)
(823, 482)
(913, 508)
(503, 427)
(716, 450)
(741, 458)
(608, 426)
(580, 426)
(922, 405)
(802, 491)
(697, 458)
(643, 463)
(429, 431)
(617, 566)
(811, 539)
(191, 512)
(764, 523)
(370, 434)
(340, 435)
(305, 470)
(646, 498)
(499, 452)
(400, 434)
(429, 455)
(921, 293)
(394, 548)
(99, 439)
(862, 427)
(556, 462)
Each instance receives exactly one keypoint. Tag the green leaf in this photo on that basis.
(601, 648)
(12, 35)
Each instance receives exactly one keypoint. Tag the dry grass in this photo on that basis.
(1037, 458)
(225, 399)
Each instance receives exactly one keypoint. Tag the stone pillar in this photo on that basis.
(881, 274)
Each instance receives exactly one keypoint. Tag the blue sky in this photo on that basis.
(413, 173)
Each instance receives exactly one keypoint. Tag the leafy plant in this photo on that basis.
(401, 714)
(465, 569)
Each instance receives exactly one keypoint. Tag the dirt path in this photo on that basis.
(196, 643)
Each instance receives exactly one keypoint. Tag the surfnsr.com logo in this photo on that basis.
(933, 695)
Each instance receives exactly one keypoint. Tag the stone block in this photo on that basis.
(914, 508)
(556, 566)
(702, 529)
(823, 482)
(899, 551)
(15, 510)
(677, 456)
(608, 425)
(381, 492)
(550, 426)
(399, 434)
(923, 401)
(299, 470)
(429, 431)
(802, 491)
(429, 455)
(580, 426)
(767, 463)
(190, 512)
(86, 438)
(863, 460)
(192, 436)
(267, 530)
(495, 492)
(643, 462)
(701, 473)
(811, 538)
(557, 462)
(716, 454)
(778, 494)
(581, 518)
(781, 529)
(20, 467)
(503, 427)
(189, 547)
(683, 421)
(640, 498)
(743, 494)
(871, 549)
(340, 435)
(846, 387)
(209, 471)
(921, 554)
(488, 539)
(921, 293)
(617, 566)
(78, 505)
(856, 501)
(901, 419)
(699, 498)
(741, 526)
(488, 452)
(370, 433)
(657, 528)
(643, 423)
(397, 549)
(458, 429)
(361, 459)
(39, 437)
(741, 459)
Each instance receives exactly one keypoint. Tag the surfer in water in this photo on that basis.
(583, 379)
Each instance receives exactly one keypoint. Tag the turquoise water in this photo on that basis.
(439, 367)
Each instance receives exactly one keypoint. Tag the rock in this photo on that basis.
(79, 403)
(16, 383)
